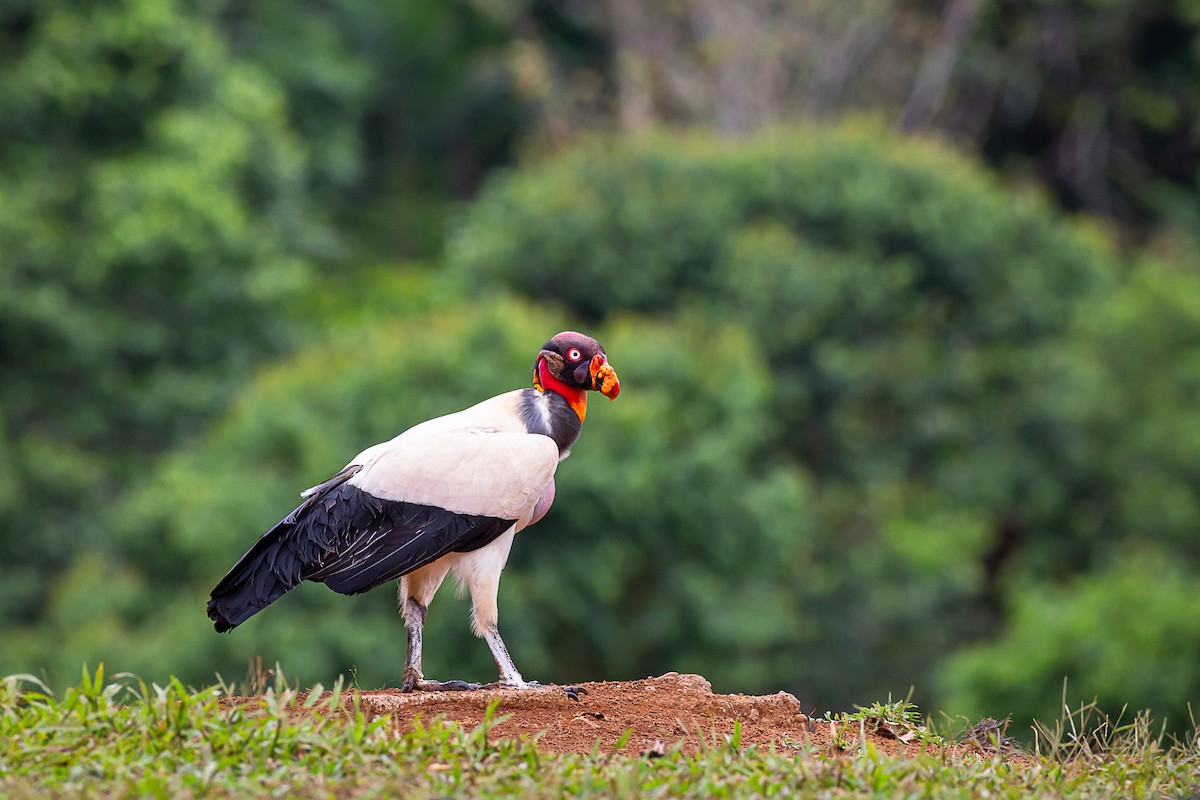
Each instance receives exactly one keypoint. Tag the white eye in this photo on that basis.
(574, 354)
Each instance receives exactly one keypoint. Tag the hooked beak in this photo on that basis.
(604, 377)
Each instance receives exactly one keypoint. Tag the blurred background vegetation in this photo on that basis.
(905, 299)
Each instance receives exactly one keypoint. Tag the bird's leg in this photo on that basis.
(485, 616)
(509, 677)
(482, 576)
(414, 620)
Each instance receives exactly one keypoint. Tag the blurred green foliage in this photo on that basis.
(151, 212)
(1128, 633)
(887, 421)
(404, 105)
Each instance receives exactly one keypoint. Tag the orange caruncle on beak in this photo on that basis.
(604, 377)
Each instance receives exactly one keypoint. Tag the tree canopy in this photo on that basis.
(152, 212)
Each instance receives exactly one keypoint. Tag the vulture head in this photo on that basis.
(571, 363)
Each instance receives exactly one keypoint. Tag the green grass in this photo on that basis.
(898, 720)
(121, 737)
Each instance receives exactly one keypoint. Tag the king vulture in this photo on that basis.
(447, 495)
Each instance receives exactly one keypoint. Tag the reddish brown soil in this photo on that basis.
(660, 711)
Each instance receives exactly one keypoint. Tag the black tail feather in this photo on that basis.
(260, 577)
(272, 566)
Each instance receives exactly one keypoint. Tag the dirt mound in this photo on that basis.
(659, 711)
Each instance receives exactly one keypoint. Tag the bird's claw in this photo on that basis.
(458, 686)
(572, 692)
(439, 686)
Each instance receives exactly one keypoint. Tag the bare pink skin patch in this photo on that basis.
(543, 504)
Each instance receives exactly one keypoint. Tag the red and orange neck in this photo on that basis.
(575, 397)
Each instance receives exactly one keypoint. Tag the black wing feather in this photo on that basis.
(348, 539)
(386, 539)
